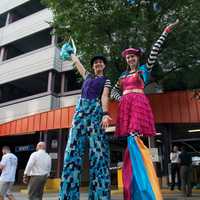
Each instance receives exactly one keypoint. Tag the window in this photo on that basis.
(57, 84)
(2, 20)
(24, 87)
(27, 44)
(25, 10)
(73, 81)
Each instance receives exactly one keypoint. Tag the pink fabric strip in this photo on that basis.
(127, 175)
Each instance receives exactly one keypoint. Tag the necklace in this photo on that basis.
(132, 72)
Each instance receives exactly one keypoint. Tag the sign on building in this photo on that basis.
(24, 148)
(154, 154)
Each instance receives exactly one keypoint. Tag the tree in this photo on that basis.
(108, 27)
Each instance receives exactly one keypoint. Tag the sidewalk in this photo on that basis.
(117, 195)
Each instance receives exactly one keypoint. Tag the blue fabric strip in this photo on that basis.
(142, 189)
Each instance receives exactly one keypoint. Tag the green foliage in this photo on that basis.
(108, 27)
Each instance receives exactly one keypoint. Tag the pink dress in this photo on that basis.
(134, 113)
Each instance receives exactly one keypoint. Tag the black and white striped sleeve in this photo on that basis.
(116, 92)
(107, 84)
(155, 50)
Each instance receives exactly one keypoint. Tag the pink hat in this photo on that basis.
(135, 51)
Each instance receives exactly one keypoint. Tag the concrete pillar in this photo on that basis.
(49, 86)
(151, 142)
(2, 54)
(166, 139)
(62, 83)
(41, 136)
(51, 81)
(54, 38)
(8, 19)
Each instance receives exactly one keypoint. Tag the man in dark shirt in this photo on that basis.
(185, 172)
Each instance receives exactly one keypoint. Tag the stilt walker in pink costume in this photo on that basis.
(134, 119)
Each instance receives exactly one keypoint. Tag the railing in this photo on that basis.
(27, 106)
(25, 26)
(6, 5)
(30, 63)
(70, 98)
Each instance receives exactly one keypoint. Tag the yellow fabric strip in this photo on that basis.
(150, 169)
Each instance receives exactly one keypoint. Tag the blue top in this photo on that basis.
(93, 86)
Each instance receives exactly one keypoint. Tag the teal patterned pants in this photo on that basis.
(86, 127)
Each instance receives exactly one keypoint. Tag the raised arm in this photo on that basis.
(81, 69)
(157, 45)
(155, 50)
(69, 51)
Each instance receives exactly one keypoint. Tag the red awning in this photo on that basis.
(175, 107)
(169, 107)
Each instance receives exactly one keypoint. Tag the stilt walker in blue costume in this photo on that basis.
(90, 119)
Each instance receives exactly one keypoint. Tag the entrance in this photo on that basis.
(22, 146)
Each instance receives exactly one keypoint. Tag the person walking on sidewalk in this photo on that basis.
(185, 172)
(8, 166)
(38, 169)
(175, 167)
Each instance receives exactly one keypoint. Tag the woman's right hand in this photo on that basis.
(66, 51)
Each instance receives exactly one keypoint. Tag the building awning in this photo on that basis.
(54, 119)
(175, 107)
(169, 107)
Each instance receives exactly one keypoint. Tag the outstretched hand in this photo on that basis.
(106, 121)
(171, 26)
(66, 51)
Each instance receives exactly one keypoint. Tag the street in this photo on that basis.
(116, 195)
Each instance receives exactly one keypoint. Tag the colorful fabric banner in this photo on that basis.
(139, 176)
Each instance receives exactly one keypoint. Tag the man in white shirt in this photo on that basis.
(8, 166)
(38, 169)
(175, 167)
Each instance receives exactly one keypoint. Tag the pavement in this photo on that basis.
(117, 195)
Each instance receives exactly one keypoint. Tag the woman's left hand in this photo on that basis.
(106, 121)
(171, 26)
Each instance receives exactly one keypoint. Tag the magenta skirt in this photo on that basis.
(135, 114)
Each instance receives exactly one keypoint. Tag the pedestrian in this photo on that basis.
(134, 119)
(89, 121)
(175, 167)
(37, 171)
(8, 166)
(186, 172)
